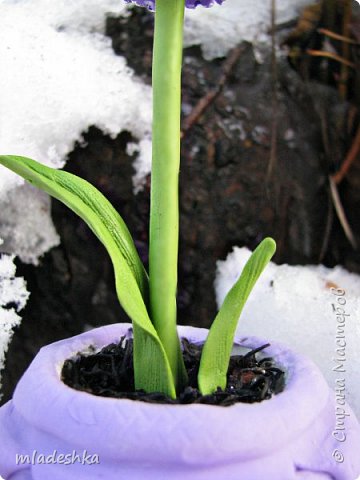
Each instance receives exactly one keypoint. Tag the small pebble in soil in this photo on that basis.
(110, 373)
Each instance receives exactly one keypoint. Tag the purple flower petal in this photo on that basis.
(150, 4)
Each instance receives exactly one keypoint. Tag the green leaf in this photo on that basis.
(218, 346)
(151, 365)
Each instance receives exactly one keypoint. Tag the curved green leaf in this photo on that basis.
(217, 349)
(152, 370)
(87, 202)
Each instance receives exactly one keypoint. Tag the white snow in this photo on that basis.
(26, 225)
(12, 293)
(222, 27)
(83, 16)
(295, 305)
(55, 83)
(142, 162)
(59, 75)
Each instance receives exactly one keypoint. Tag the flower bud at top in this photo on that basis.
(150, 4)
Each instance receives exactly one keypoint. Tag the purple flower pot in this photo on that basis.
(291, 436)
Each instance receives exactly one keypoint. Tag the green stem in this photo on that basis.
(164, 213)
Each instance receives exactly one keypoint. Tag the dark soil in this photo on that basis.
(110, 373)
(226, 197)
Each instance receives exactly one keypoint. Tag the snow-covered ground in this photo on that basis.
(13, 297)
(312, 309)
(59, 76)
(222, 27)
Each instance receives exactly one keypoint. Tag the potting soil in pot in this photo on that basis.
(110, 373)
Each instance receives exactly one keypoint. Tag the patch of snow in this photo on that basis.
(142, 163)
(86, 16)
(25, 224)
(13, 297)
(56, 83)
(60, 76)
(222, 27)
(295, 305)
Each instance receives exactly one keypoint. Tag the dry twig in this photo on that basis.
(336, 36)
(332, 56)
(209, 98)
(349, 159)
(341, 213)
(328, 228)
